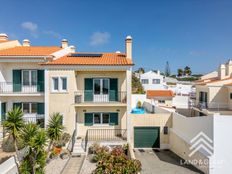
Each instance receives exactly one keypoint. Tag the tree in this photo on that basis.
(179, 72)
(137, 87)
(54, 129)
(13, 124)
(167, 70)
(187, 71)
(140, 70)
(35, 141)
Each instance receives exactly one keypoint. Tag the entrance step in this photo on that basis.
(78, 149)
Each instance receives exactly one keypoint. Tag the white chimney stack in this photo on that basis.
(222, 71)
(26, 43)
(72, 49)
(3, 37)
(229, 68)
(129, 47)
(64, 43)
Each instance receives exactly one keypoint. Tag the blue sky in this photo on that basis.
(197, 33)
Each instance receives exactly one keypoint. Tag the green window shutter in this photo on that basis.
(17, 80)
(113, 90)
(88, 95)
(113, 118)
(16, 105)
(40, 108)
(88, 119)
(40, 80)
(3, 111)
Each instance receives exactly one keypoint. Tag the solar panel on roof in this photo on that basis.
(85, 55)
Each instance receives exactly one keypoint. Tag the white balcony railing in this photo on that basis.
(9, 88)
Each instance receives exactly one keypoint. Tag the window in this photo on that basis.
(101, 118)
(145, 81)
(29, 77)
(55, 83)
(59, 84)
(105, 118)
(64, 83)
(161, 101)
(97, 118)
(156, 81)
(26, 108)
(101, 86)
(29, 108)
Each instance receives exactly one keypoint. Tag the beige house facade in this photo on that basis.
(213, 91)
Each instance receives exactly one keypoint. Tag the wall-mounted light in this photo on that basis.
(84, 110)
(165, 130)
(118, 110)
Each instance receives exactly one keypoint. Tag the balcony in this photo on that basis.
(12, 88)
(88, 96)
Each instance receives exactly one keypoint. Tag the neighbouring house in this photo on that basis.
(22, 78)
(152, 81)
(160, 97)
(214, 92)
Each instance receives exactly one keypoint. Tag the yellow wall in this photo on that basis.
(64, 102)
(81, 128)
(81, 75)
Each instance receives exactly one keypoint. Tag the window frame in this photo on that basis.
(156, 81)
(30, 107)
(30, 77)
(101, 80)
(142, 81)
(53, 84)
(101, 119)
(60, 82)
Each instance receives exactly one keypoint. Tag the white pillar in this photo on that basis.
(128, 86)
(46, 96)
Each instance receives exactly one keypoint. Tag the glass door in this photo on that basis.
(101, 90)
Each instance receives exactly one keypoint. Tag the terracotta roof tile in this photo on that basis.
(29, 51)
(159, 93)
(106, 59)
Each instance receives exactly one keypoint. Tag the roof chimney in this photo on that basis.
(26, 43)
(129, 47)
(64, 43)
(222, 71)
(72, 49)
(3, 37)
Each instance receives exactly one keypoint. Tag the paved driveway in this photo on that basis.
(162, 162)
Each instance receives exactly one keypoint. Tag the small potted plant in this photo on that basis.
(58, 148)
(139, 104)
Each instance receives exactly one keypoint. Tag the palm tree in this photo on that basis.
(13, 123)
(54, 129)
(35, 140)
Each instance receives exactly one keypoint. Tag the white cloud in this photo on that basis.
(53, 34)
(31, 27)
(99, 38)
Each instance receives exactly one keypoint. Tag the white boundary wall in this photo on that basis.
(9, 167)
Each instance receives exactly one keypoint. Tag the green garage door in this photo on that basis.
(146, 137)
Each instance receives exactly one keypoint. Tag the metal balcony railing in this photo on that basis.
(210, 105)
(101, 135)
(90, 96)
(10, 87)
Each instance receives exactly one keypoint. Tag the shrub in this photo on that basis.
(101, 153)
(116, 162)
(94, 148)
(65, 137)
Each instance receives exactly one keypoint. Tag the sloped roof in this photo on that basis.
(104, 59)
(29, 51)
(159, 93)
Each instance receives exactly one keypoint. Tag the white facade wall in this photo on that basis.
(180, 101)
(150, 76)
